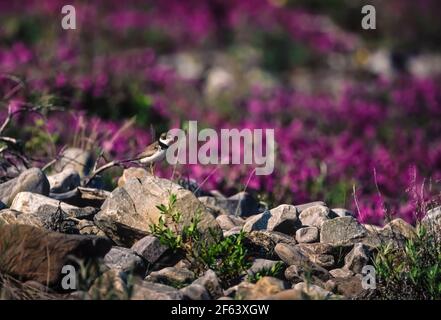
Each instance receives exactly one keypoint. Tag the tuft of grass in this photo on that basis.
(227, 257)
(411, 271)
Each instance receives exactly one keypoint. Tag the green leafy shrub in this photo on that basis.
(225, 256)
(412, 271)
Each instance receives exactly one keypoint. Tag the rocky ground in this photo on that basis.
(294, 251)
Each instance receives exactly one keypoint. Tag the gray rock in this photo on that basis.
(284, 219)
(31, 180)
(172, 276)
(341, 212)
(302, 207)
(195, 292)
(80, 160)
(257, 222)
(227, 222)
(125, 260)
(146, 290)
(314, 216)
(129, 211)
(27, 202)
(64, 181)
(307, 235)
(342, 230)
(357, 258)
(402, 227)
(291, 254)
(261, 244)
(210, 282)
(150, 248)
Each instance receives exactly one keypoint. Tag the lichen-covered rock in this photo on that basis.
(341, 230)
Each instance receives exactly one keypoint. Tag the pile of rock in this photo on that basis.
(50, 222)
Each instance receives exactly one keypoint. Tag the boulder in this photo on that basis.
(30, 253)
(307, 235)
(129, 211)
(341, 230)
(64, 181)
(31, 180)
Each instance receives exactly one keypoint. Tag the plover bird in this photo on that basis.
(156, 151)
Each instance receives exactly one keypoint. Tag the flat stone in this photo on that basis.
(302, 207)
(341, 273)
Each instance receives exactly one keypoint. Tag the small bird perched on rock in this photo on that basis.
(156, 151)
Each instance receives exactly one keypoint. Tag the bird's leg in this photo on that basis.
(152, 165)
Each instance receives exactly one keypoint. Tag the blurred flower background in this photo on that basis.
(356, 112)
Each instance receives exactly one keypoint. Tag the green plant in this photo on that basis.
(412, 271)
(275, 271)
(225, 256)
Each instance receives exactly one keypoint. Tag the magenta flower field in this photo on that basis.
(356, 113)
